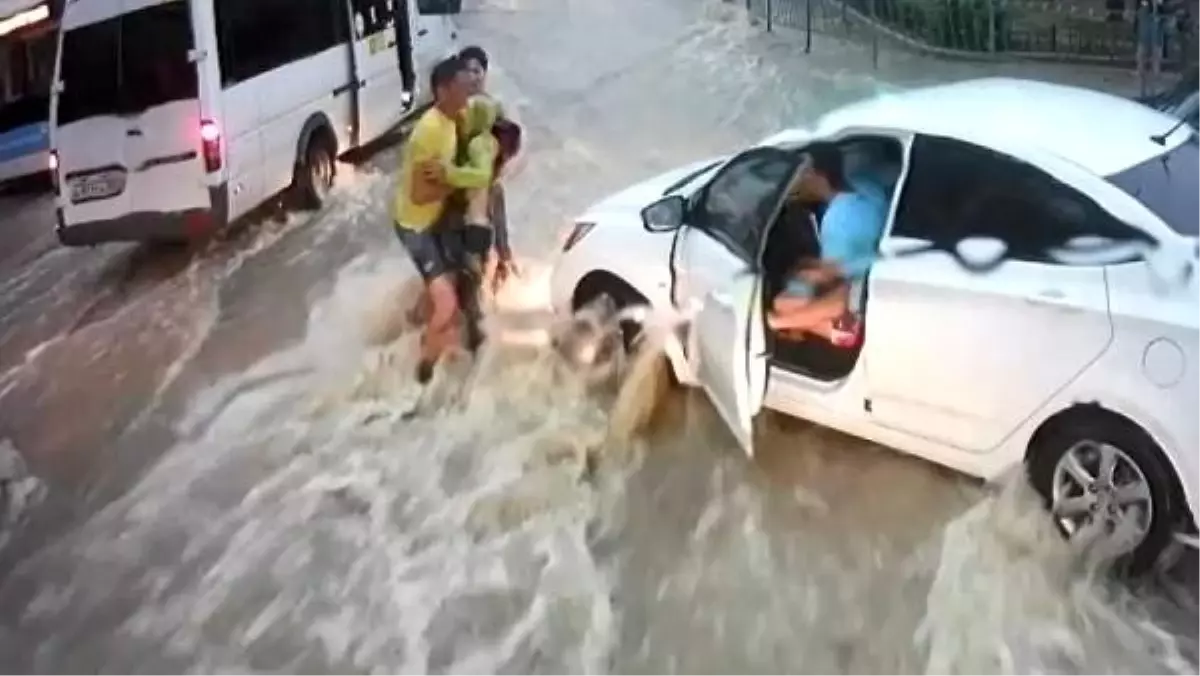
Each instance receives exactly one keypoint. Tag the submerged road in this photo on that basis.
(229, 488)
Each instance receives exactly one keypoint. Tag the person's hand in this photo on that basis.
(429, 183)
(432, 171)
(505, 268)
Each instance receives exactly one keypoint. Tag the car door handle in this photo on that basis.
(423, 31)
(1046, 297)
(133, 132)
(1055, 298)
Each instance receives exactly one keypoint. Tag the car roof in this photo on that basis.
(1100, 132)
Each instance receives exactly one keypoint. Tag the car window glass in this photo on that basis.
(23, 112)
(90, 71)
(298, 29)
(740, 200)
(155, 69)
(1166, 185)
(957, 190)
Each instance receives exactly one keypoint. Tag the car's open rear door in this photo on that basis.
(730, 342)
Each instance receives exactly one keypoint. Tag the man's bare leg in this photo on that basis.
(441, 328)
(816, 316)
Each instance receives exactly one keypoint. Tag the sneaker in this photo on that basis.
(474, 337)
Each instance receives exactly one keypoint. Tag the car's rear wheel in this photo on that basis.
(1103, 477)
(315, 174)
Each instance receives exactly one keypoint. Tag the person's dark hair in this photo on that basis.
(445, 72)
(826, 160)
(474, 53)
(508, 137)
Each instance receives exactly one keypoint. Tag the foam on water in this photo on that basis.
(302, 524)
(996, 591)
(20, 491)
(356, 539)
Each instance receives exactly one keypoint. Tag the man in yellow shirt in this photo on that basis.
(428, 175)
(486, 144)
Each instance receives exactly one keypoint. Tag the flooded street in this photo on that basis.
(226, 483)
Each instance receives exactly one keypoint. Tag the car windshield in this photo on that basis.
(1186, 84)
(692, 176)
(1166, 185)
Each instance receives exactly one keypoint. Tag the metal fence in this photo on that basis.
(1097, 32)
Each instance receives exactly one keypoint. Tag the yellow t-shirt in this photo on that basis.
(434, 137)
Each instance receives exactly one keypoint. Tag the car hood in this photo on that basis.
(638, 196)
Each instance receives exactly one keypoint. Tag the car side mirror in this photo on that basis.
(980, 254)
(1173, 264)
(665, 215)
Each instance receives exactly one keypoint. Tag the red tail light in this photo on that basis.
(52, 165)
(210, 140)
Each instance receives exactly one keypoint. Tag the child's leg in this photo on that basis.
(477, 242)
(477, 220)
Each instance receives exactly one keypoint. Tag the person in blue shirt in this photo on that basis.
(821, 292)
(1150, 25)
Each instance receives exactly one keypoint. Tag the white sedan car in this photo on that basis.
(1034, 301)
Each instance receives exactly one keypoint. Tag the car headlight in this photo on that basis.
(577, 232)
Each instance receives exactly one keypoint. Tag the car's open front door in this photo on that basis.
(731, 350)
(735, 209)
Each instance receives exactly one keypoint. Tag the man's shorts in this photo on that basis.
(1151, 31)
(430, 250)
(444, 248)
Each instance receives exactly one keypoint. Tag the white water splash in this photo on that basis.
(20, 491)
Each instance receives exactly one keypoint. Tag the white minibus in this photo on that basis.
(171, 118)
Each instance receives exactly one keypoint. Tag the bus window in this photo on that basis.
(89, 71)
(155, 42)
(298, 29)
(372, 16)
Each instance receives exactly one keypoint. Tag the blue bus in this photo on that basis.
(24, 138)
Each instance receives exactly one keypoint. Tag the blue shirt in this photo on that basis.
(851, 229)
(874, 182)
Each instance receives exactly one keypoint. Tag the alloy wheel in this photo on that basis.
(1097, 487)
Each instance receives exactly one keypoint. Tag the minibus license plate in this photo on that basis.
(97, 186)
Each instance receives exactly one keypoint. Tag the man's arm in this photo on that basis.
(481, 161)
(475, 173)
(426, 182)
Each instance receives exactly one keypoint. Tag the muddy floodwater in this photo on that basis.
(205, 466)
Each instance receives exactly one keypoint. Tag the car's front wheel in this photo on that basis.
(597, 285)
(1106, 482)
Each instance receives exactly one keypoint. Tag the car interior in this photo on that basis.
(795, 234)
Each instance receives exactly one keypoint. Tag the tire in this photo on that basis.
(1137, 459)
(314, 174)
(622, 297)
